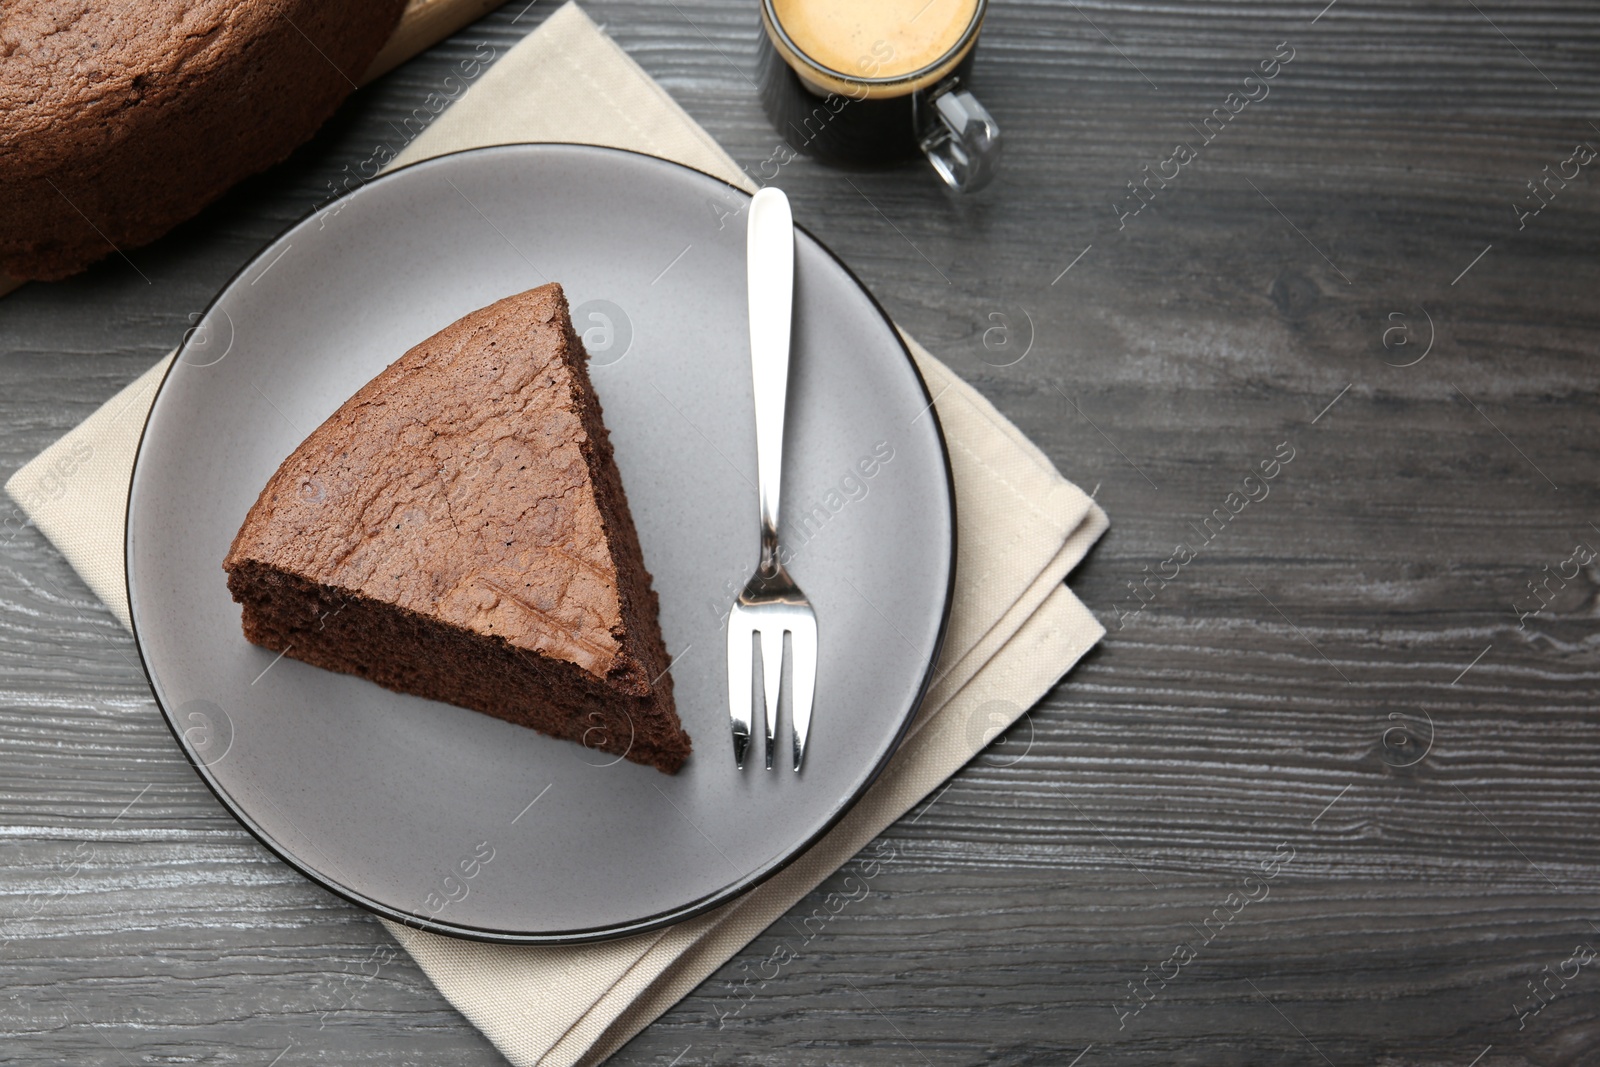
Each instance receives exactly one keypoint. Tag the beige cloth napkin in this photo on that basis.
(1015, 629)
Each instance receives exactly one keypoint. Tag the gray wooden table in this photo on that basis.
(1326, 792)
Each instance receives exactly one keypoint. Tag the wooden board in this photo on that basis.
(1248, 706)
(423, 24)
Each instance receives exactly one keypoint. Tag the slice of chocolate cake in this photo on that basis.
(458, 530)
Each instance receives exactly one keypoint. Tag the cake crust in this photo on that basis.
(121, 120)
(457, 529)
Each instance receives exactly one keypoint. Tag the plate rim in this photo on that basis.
(690, 909)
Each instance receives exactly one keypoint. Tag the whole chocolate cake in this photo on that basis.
(458, 530)
(122, 119)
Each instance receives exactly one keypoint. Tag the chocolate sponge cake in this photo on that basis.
(458, 530)
(122, 119)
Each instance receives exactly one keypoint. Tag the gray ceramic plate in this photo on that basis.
(457, 822)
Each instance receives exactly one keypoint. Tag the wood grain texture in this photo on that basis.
(423, 24)
(1442, 857)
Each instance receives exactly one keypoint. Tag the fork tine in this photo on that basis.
(802, 680)
(772, 675)
(740, 651)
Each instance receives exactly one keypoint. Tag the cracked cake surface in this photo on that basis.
(458, 530)
(122, 120)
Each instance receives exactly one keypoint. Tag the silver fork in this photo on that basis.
(771, 604)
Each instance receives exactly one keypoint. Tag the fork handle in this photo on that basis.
(770, 273)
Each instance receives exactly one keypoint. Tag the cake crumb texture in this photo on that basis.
(458, 529)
